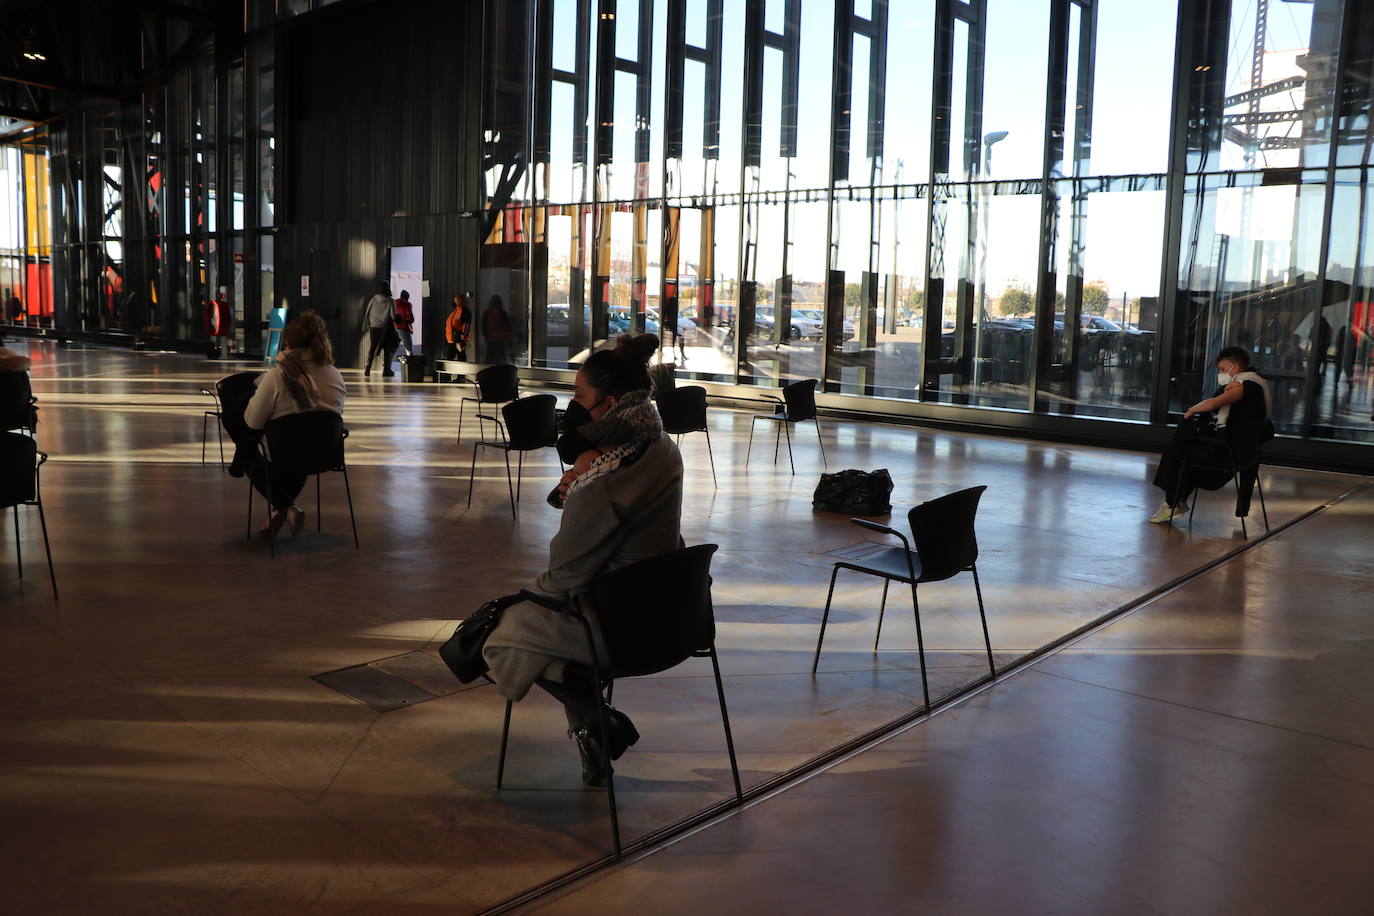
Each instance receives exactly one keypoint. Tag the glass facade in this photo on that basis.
(1059, 208)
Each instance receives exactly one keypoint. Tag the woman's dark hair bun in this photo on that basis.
(636, 349)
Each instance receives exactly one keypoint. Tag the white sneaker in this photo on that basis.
(1165, 512)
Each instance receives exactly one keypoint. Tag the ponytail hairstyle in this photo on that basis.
(617, 372)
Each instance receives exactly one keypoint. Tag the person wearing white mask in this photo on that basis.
(1242, 405)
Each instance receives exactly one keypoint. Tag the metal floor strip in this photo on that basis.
(662, 838)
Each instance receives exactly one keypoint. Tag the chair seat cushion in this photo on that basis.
(890, 562)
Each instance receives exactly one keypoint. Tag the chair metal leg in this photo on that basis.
(472, 473)
(509, 486)
(348, 491)
(462, 405)
(43, 521)
(787, 430)
(519, 474)
(821, 442)
(725, 721)
(219, 430)
(204, 436)
(820, 637)
(987, 640)
(603, 731)
(1235, 478)
(777, 442)
(711, 455)
(271, 535)
(920, 646)
(505, 737)
(1263, 508)
(18, 545)
(750, 448)
(319, 516)
(882, 607)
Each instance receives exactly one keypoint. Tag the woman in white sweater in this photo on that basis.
(304, 379)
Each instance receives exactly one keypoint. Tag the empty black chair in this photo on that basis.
(644, 639)
(798, 403)
(531, 424)
(945, 546)
(493, 385)
(17, 410)
(307, 443)
(218, 416)
(20, 460)
(684, 411)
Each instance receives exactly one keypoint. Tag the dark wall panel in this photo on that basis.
(381, 153)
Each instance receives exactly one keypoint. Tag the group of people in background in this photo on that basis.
(391, 322)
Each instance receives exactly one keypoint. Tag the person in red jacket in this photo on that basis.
(458, 328)
(405, 321)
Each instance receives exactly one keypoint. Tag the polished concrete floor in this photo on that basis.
(165, 748)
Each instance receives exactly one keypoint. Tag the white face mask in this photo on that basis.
(1224, 379)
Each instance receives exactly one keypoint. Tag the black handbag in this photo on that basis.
(854, 492)
(463, 651)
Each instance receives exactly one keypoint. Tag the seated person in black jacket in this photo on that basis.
(1201, 453)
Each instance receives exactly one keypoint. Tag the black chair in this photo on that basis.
(684, 411)
(17, 410)
(307, 443)
(218, 416)
(798, 403)
(945, 547)
(644, 640)
(493, 385)
(20, 460)
(531, 424)
(1245, 476)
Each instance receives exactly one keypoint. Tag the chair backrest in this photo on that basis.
(531, 423)
(18, 459)
(683, 409)
(16, 401)
(234, 393)
(310, 442)
(800, 398)
(943, 531)
(498, 384)
(655, 613)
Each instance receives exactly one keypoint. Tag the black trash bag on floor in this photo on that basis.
(854, 492)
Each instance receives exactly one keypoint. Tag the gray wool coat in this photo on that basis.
(630, 515)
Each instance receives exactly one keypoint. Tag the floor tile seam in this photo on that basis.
(1030, 665)
(1204, 710)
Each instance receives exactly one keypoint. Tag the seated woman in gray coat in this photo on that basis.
(627, 506)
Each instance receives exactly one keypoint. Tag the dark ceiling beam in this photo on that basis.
(23, 114)
(11, 75)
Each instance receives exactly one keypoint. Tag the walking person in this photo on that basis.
(380, 318)
(405, 322)
(458, 329)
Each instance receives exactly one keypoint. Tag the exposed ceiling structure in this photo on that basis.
(60, 56)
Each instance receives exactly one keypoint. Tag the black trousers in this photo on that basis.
(1190, 464)
(378, 338)
(577, 693)
(285, 487)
